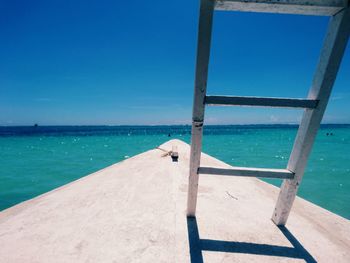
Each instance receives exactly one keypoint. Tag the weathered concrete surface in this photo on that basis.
(134, 211)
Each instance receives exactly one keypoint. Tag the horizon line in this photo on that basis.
(155, 125)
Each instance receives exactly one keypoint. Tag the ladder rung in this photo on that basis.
(250, 172)
(302, 7)
(260, 102)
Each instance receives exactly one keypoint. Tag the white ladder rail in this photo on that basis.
(329, 62)
(203, 51)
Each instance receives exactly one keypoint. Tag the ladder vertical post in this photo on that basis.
(325, 75)
(203, 52)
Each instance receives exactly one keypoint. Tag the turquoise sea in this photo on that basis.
(34, 160)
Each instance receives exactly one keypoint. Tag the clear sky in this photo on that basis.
(132, 62)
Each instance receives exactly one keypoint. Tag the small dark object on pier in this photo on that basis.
(174, 154)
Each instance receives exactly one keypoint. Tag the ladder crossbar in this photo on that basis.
(248, 172)
(260, 102)
(300, 7)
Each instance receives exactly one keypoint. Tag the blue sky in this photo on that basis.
(132, 62)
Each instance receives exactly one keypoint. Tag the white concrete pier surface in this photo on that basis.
(135, 211)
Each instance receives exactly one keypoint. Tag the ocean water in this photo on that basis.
(34, 160)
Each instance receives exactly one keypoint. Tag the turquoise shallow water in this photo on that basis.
(36, 160)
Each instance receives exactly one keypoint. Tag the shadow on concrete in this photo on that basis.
(197, 245)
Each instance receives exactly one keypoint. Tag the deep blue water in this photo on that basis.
(34, 160)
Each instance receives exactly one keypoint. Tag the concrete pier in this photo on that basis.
(135, 211)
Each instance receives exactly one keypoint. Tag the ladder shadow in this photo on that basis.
(198, 245)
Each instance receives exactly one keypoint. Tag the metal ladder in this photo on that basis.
(314, 106)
